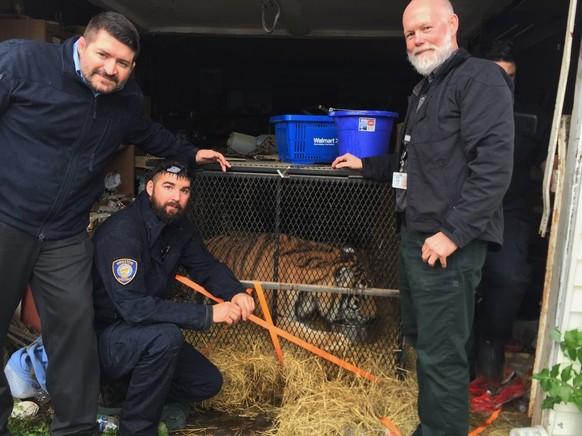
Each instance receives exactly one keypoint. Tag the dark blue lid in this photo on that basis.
(309, 118)
(362, 113)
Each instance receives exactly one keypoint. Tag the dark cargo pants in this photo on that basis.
(437, 306)
(162, 368)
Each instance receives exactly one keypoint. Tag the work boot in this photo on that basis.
(491, 359)
(112, 394)
(175, 415)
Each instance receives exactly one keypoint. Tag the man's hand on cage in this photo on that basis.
(347, 161)
(206, 156)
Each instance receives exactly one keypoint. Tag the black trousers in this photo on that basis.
(506, 276)
(59, 273)
(162, 368)
(437, 307)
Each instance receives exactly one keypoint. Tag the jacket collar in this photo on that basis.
(68, 64)
(153, 225)
(456, 58)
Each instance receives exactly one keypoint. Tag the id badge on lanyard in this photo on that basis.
(400, 178)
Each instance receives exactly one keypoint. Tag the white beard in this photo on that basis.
(427, 62)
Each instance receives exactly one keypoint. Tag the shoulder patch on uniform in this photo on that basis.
(124, 270)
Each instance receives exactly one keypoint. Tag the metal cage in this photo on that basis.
(321, 242)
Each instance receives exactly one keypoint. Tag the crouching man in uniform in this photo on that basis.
(137, 253)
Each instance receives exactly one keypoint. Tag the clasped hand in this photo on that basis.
(230, 312)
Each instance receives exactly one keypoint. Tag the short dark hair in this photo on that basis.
(117, 26)
(166, 166)
(502, 50)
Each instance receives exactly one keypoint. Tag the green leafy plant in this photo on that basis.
(562, 383)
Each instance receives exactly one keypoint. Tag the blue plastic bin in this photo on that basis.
(306, 139)
(363, 133)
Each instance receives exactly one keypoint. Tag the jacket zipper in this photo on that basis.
(67, 178)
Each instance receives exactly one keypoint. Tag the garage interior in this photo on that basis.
(210, 68)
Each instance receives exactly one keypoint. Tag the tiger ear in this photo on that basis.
(344, 276)
(348, 250)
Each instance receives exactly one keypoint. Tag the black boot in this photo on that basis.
(491, 360)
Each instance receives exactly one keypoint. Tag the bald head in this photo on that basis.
(430, 30)
(444, 6)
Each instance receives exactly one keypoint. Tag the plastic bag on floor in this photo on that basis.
(26, 371)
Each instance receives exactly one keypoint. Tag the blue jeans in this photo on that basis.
(437, 313)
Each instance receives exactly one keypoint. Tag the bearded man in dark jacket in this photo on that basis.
(137, 253)
(450, 177)
(64, 111)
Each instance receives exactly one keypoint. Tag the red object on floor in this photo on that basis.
(489, 402)
(28, 312)
(482, 384)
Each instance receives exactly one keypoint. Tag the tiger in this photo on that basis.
(300, 261)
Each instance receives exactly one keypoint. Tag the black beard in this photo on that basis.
(165, 217)
(97, 73)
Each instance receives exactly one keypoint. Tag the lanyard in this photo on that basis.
(409, 125)
(404, 152)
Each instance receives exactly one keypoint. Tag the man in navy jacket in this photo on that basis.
(137, 253)
(64, 110)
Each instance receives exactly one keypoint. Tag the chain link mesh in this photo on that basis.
(323, 243)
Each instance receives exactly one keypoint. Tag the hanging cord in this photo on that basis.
(264, 5)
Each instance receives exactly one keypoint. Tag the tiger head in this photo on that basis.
(352, 306)
(350, 273)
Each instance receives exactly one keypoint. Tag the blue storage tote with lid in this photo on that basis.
(306, 139)
(363, 133)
